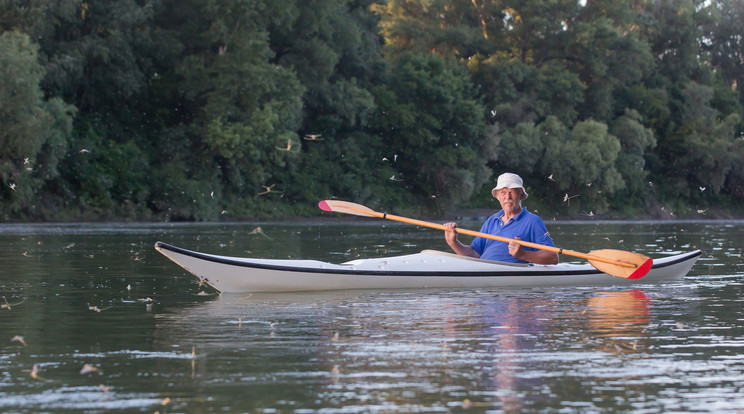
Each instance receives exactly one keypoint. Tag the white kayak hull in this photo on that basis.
(428, 269)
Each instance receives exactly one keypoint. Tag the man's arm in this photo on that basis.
(450, 235)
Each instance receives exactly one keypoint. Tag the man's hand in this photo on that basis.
(515, 249)
(450, 235)
(533, 256)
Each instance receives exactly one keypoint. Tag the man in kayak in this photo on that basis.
(514, 222)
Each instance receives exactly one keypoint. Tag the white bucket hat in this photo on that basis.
(509, 180)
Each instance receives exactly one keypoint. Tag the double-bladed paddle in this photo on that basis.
(618, 263)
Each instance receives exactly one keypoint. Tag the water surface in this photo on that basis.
(99, 294)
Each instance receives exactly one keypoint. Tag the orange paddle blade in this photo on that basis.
(346, 207)
(641, 264)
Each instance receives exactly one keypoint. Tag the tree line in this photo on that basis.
(244, 109)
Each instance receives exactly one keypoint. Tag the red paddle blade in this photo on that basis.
(324, 206)
(642, 269)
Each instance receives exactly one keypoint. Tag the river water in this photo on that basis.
(93, 319)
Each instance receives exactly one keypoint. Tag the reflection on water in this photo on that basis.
(441, 350)
(108, 324)
(621, 316)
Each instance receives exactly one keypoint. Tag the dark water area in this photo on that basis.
(93, 319)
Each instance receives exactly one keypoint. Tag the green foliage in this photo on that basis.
(583, 164)
(707, 155)
(726, 44)
(33, 130)
(24, 121)
(517, 92)
(522, 147)
(432, 122)
(210, 110)
(609, 57)
(635, 140)
(444, 27)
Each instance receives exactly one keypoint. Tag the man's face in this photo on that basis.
(510, 199)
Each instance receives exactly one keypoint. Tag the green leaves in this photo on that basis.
(431, 120)
(708, 153)
(636, 140)
(23, 118)
(33, 130)
(606, 104)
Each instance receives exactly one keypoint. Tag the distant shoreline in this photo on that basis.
(480, 214)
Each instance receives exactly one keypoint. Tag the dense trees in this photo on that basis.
(206, 109)
(34, 129)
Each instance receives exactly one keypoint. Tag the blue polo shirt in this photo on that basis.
(527, 226)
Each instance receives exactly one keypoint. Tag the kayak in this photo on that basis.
(427, 269)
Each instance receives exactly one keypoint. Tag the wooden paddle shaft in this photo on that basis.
(494, 237)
